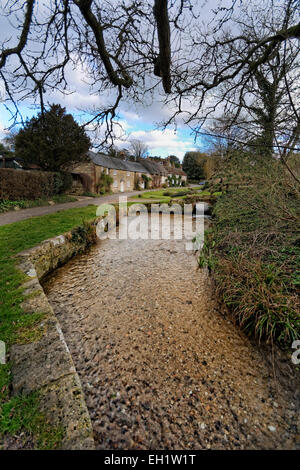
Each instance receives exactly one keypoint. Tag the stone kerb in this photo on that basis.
(45, 365)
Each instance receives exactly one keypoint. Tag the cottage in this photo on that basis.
(126, 175)
(176, 176)
(158, 172)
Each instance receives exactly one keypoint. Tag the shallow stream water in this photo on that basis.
(160, 366)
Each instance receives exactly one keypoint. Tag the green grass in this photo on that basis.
(21, 413)
(6, 206)
(160, 195)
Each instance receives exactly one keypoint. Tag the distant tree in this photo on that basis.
(52, 140)
(4, 150)
(113, 152)
(122, 154)
(138, 149)
(211, 165)
(174, 160)
(226, 134)
(193, 165)
(9, 139)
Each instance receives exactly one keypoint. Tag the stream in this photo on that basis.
(161, 367)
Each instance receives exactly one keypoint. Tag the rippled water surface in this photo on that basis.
(160, 367)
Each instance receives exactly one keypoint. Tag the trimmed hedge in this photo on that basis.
(21, 184)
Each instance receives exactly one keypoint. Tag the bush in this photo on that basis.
(104, 184)
(253, 248)
(20, 184)
(147, 181)
(181, 193)
(62, 182)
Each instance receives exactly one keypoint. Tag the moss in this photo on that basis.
(30, 330)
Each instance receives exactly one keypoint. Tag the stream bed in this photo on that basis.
(160, 366)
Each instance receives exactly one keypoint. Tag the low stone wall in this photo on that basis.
(46, 365)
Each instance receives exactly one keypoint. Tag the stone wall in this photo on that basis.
(123, 180)
(45, 365)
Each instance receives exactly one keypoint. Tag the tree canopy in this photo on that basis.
(193, 165)
(51, 140)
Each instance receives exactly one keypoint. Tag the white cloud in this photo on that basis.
(161, 142)
(130, 115)
(3, 131)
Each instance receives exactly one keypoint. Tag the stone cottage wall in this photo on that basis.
(89, 169)
(119, 176)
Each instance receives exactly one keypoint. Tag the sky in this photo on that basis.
(139, 122)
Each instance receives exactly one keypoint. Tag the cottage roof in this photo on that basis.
(153, 167)
(116, 163)
(174, 171)
(142, 166)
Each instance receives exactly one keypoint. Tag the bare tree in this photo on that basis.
(138, 149)
(259, 111)
(131, 48)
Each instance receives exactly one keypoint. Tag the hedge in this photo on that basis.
(20, 184)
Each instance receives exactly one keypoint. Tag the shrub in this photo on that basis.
(62, 182)
(147, 181)
(253, 248)
(180, 193)
(104, 183)
(20, 184)
(85, 233)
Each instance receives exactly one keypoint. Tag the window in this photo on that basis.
(128, 183)
(115, 172)
(128, 173)
(115, 184)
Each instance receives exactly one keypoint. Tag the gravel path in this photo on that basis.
(161, 368)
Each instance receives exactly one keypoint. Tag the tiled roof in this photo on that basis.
(142, 166)
(175, 171)
(116, 163)
(153, 167)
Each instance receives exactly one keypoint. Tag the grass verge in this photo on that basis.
(21, 413)
(6, 206)
(172, 194)
(253, 251)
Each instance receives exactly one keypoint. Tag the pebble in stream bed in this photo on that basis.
(160, 367)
